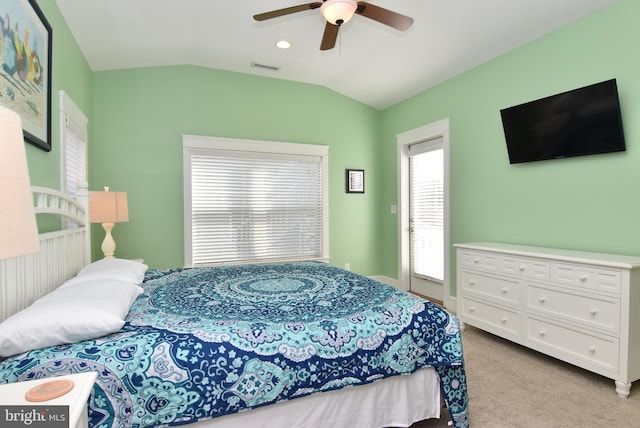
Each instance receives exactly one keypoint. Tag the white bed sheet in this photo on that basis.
(398, 401)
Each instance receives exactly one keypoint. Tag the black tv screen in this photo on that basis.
(582, 121)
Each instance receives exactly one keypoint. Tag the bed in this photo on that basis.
(299, 344)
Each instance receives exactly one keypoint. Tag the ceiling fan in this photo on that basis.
(338, 12)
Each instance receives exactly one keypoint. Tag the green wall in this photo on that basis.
(71, 74)
(586, 203)
(137, 118)
(136, 146)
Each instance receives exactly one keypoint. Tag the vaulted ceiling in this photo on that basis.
(372, 63)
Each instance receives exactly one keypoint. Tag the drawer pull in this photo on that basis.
(472, 308)
(476, 260)
(521, 268)
(504, 320)
(542, 332)
(583, 278)
(593, 312)
(542, 299)
(505, 290)
(472, 282)
(592, 349)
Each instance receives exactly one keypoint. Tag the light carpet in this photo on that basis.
(511, 386)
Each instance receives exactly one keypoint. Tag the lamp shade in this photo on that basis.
(338, 12)
(18, 228)
(108, 207)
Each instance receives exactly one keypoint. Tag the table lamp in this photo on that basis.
(108, 208)
(18, 228)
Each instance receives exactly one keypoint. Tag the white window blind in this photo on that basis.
(74, 135)
(426, 163)
(248, 206)
(76, 167)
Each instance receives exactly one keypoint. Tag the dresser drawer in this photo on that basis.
(564, 342)
(504, 319)
(591, 311)
(503, 289)
(586, 277)
(526, 268)
(478, 260)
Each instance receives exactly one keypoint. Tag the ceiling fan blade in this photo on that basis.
(329, 37)
(384, 16)
(286, 11)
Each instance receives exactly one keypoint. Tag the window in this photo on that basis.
(73, 138)
(426, 165)
(252, 201)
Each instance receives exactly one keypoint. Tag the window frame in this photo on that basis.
(197, 144)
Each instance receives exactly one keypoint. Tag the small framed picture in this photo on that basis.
(355, 180)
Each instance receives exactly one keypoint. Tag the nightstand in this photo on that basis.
(13, 394)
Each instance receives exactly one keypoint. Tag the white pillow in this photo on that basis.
(122, 269)
(81, 311)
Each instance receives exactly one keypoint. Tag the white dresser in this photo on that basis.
(580, 307)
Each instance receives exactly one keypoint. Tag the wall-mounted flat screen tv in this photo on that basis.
(583, 121)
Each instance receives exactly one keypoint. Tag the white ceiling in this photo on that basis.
(371, 63)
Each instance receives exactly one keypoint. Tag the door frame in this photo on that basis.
(404, 140)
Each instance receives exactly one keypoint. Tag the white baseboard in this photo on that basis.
(387, 280)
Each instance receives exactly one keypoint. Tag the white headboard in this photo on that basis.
(62, 252)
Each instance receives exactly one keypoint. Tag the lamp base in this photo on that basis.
(108, 244)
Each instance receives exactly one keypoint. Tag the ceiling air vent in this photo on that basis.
(266, 67)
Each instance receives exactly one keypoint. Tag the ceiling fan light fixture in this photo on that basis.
(337, 12)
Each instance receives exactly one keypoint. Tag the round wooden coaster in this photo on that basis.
(49, 390)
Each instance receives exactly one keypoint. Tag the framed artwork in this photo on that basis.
(25, 68)
(355, 180)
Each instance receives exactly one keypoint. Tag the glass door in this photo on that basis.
(426, 218)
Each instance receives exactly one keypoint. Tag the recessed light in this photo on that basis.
(283, 44)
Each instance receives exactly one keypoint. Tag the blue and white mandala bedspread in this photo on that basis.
(206, 342)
